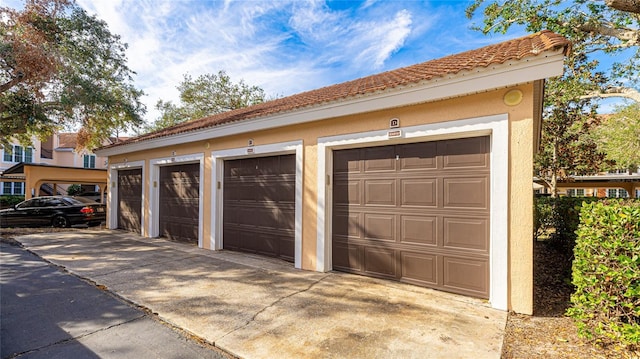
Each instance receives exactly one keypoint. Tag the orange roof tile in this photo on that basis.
(516, 49)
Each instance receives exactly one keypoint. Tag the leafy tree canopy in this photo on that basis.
(204, 96)
(619, 136)
(61, 68)
(608, 28)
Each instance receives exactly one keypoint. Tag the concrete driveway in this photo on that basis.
(255, 307)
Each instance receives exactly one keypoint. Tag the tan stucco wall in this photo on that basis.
(484, 104)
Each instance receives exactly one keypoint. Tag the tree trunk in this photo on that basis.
(554, 172)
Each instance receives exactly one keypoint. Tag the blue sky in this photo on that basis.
(283, 46)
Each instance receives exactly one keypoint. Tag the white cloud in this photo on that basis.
(383, 38)
(283, 46)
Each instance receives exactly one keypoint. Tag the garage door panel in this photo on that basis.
(379, 227)
(470, 192)
(419, 230)
(466, 152)
(466, 233)
(287, 218)
(129, 210)
(284, 190)
(417, 156)
(347, 192)
(419, 192)
(259, 206)
(345, 162)
(420, 267)
(380, 261)
(379, 159)
(179, 200)
(416, 213)
(466, 275)
(287, 165)
(347, 257)
(347, 225)
(380, 192)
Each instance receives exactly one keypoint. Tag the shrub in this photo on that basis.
(558, 218)
(606, 273)
(7, 201)
(74, 190)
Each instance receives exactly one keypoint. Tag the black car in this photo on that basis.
(57, 211)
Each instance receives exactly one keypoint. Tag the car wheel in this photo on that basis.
(60, 222)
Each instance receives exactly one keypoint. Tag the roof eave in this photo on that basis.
(496, 76)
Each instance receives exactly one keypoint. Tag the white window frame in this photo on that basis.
(154, 190)
(90, 157)
(495, 126)
(12, 188)
(217, 169)
(23, 156)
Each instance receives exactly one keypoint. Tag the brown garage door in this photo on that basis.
(416, 213)
(259, 205)
(179, 200)
(130, 199)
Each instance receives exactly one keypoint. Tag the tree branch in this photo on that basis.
(625, 92)
(629, 36)
(632, 6)
(14, 81)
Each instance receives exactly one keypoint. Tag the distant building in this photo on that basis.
(59, 150)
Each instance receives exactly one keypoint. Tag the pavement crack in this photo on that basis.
(253, 318)
(76, 338)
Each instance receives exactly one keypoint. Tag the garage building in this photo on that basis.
(420, 175)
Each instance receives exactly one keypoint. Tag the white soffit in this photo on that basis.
(454, 85)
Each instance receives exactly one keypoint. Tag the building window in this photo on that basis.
(575, 192)
(617, 193)
(28, 155)
(13, 188)
(89, 161)
(19, 154)
(579, 192)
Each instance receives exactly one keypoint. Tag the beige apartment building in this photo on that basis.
(58, 151)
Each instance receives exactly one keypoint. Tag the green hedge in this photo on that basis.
(606, 273)
(7, 201)
(557, 219)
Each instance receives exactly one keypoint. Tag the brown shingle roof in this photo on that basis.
(515, 49)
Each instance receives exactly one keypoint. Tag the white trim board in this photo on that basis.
(112, 193)
(496, 126)
(217, 169)
(154, 191)
(463, 83)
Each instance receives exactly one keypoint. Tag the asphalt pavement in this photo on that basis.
(48, 313)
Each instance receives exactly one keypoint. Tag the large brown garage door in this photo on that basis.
(130, 199)
(416, 213)
(259, 205)
(179, 201)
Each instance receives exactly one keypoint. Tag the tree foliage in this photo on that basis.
(610, 28)
(592, 26)
(61, 68)
(619, 137)
(204, 96)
